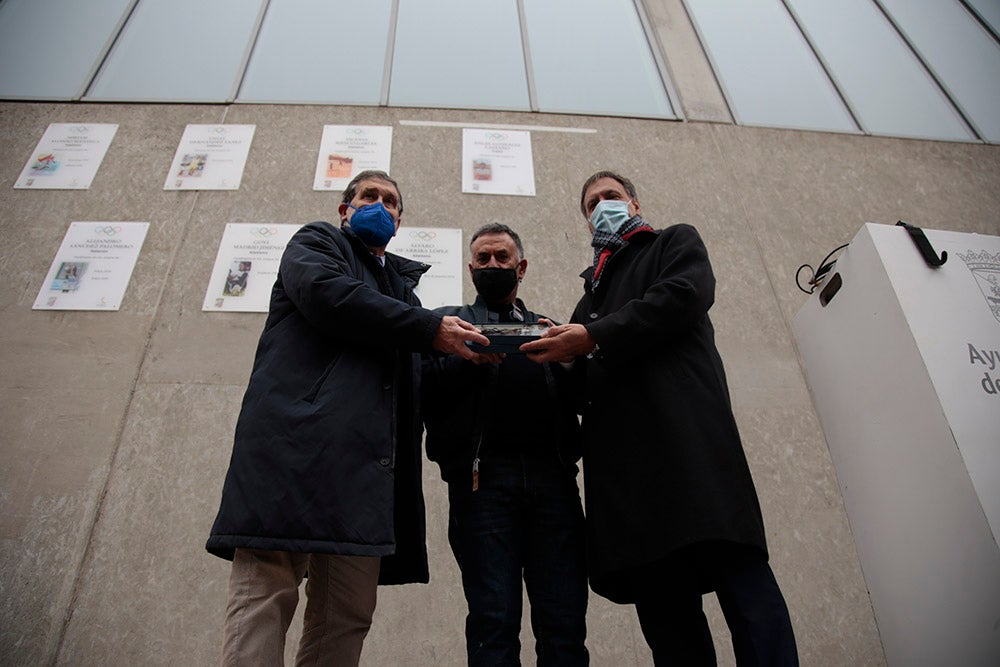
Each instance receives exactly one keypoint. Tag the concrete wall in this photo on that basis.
(115, 427)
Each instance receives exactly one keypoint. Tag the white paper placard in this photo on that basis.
(347, 150)
(93, 266)
(246, 267)
(497, 162)
(67, 156)
(210, 157)
(442, 249)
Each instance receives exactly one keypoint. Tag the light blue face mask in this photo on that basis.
(609, 215)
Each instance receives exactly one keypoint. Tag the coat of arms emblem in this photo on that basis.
(986, 269)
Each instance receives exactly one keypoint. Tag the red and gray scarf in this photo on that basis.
(607, 243)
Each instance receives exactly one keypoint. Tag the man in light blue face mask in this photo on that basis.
(672, 512)
(325, 472)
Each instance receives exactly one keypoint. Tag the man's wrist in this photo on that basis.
(595, 351)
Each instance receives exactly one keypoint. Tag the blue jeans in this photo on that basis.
(525, 521)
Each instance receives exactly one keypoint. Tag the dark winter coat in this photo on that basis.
(326, 457)
(663, 464)
(458, 398)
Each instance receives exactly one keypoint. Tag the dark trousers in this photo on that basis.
(525, 522)
(677, 631)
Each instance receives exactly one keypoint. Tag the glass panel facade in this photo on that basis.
(613, 70)
(988, 11)
(49, 50)
(885, 83)
(460, 54)
(310, 51)
(961, 52)
(909, 68)
(766, 67)
(179, 51)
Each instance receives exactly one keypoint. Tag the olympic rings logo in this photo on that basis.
(496, 136)
(218, 129)
(80, 129)
(108, 230)
(355, 130)
(264, 231)
(423, 235)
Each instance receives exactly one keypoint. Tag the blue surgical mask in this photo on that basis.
(609, 215)
(373, 224)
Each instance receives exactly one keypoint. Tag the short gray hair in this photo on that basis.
(370, 174)
(499, 228)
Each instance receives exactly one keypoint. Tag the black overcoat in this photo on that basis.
(664, 467)
(326, 455)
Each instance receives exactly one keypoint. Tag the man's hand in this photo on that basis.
(452, 334)
(564, 342)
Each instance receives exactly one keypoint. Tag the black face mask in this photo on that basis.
(494, 284)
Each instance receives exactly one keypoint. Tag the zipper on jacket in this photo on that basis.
(480, 421)
(475, 464)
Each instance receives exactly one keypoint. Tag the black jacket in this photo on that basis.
(457, 404)
(326, 456)
(664, 467)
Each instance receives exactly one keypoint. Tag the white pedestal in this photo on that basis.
(904, 368)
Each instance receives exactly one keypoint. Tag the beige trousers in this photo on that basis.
(263, 594)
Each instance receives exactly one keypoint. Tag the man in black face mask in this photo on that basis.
(507, 441)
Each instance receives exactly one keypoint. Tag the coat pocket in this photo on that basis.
(310, 396)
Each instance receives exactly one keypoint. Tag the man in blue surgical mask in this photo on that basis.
(507, 440)
(672, 512)
(325, 473)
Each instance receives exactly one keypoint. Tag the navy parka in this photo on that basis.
(326, 455)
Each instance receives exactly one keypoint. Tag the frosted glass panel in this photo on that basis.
(960, 51)
(179, 50)
(459, 53)
(766, 67)
(49, 49)
(889, 89)
(612, 72)
(305, 53)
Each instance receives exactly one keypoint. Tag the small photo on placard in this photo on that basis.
(68, 276)
(236, 279)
